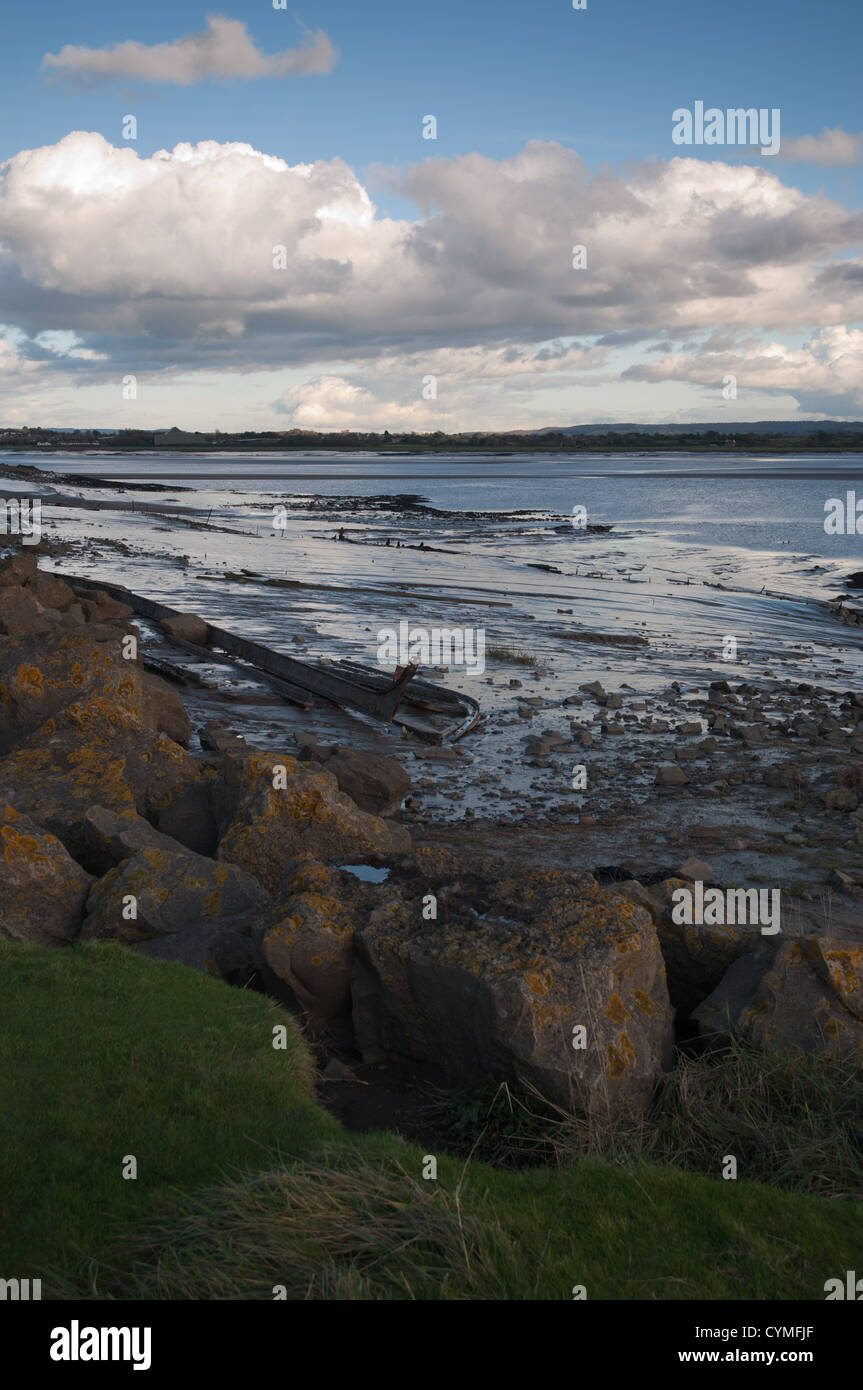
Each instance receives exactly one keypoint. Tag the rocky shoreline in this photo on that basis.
(462, 954)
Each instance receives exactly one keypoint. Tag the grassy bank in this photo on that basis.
(245, 1184)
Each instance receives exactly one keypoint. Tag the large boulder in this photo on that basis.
(94, 753)
(503, 980)
(783, 1000)
(45, 669)
(160, 892)
(43, 891)
(269, 810)
(375, 783)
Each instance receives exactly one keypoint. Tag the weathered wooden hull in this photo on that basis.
(342, 683)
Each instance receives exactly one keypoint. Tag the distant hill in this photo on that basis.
(725, 427)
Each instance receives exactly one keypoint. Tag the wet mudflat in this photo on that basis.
(677, 582)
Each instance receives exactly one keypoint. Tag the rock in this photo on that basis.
(642, 897)
(696, 869)
(501, 993)
(18, 569)
(188, 627)
(184, 812)
(20, 614)
(594, 688)
(164, 710)
(92, 754)
(307, 939)
(697, 955)
(214, 950)
(692, 726)
(172, 890)
(107, 838)
(53, 592)
(783, 1001)
(216, 737)
(43, 891)
(843, 960)
(100, 607)
(377, 784)
(270, 809)
(670, 775)
(42, 675)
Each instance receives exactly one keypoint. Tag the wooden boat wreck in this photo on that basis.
(430, 711)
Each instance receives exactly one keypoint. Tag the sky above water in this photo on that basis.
(455, 217)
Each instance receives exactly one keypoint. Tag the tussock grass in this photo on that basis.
(516, 655)
(344, 1228)
(789, 1120)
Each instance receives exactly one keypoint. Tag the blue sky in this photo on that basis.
(601, 83)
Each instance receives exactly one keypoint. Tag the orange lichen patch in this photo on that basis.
(539, 983)
(30, 680)
(645, 1003)
(24, 851)
(617, 1010)
(832, 1026)
(620, 1057)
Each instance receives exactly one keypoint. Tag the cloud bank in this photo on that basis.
(221, 257)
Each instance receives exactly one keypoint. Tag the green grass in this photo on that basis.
(106, 1054)
(245, 1183)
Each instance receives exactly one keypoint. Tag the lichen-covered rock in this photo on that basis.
(45, 668)
(43, 891)
(307, 937)
(94, 753)
(377, 784)
(271, 809)
(107, 838)
(783, 1000)
(502, 982)
(161, 892)
(843, 960)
